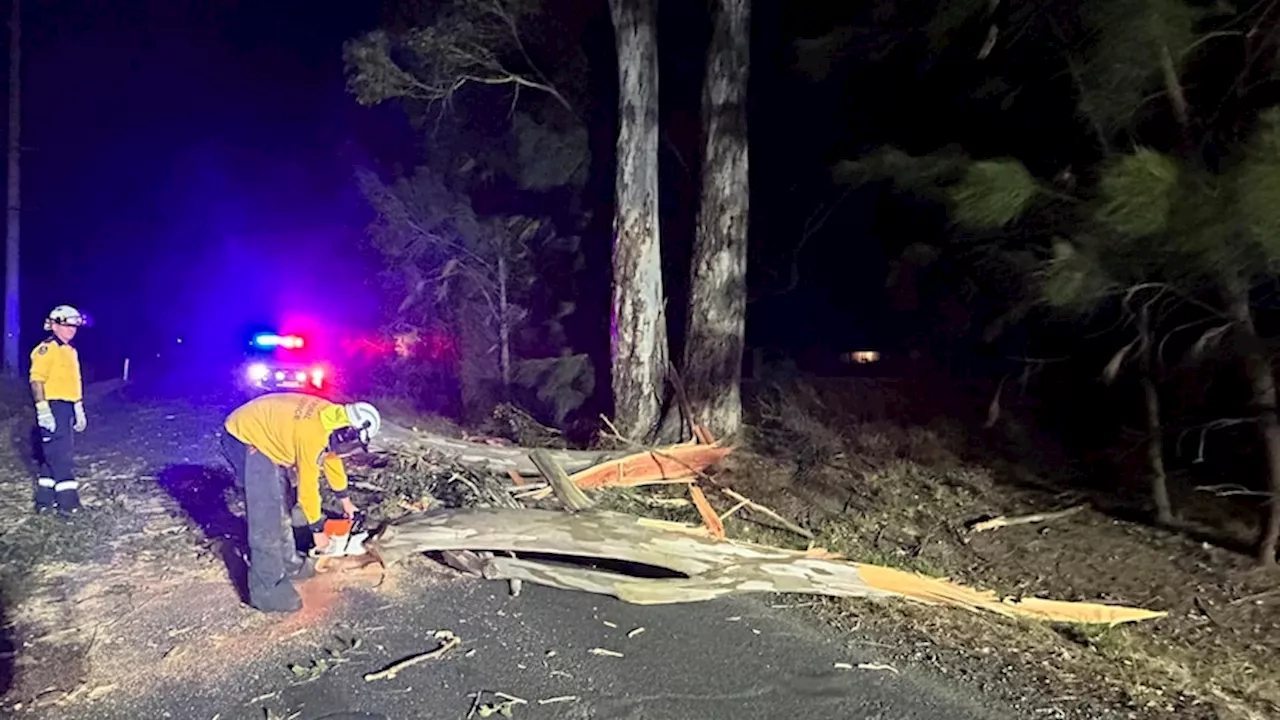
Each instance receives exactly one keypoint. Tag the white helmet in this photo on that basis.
(65, 315)
(365, 418)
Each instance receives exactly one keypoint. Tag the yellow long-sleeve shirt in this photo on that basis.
(57, 365)
(292, 430)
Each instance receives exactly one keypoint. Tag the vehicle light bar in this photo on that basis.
(267, 340)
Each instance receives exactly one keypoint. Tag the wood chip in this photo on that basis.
(635, 632)
(604, 652)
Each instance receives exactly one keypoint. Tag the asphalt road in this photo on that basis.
(738, 659)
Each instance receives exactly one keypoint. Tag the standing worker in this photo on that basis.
(59, 396)
(282, 430)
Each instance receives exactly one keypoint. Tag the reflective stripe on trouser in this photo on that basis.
(55, 454)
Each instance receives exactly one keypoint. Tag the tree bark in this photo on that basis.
(1155, 427)
(638, 333)
(712, 369)
(1155, 453)
(504, 325)
(1257, 367)
(703, 568)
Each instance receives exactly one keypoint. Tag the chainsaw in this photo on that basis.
(346, 537)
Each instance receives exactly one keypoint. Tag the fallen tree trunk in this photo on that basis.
(494, 458)
(710, 568)
(589, 469)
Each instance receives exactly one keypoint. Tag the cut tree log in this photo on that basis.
(710, 568)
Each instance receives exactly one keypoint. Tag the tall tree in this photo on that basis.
(712, 365)
(638, 332)
(12, 316)
(1148, 225)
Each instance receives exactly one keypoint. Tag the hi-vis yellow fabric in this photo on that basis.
(57, 365)
(292, 430)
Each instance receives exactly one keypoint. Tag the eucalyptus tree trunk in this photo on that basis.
(718, 287)
(1257, 367)
(638, 333)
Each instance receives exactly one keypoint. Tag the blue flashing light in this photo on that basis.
(270, 340)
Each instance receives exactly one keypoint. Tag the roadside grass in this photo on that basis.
(902, 496)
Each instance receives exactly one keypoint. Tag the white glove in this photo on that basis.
(44, 417)
(80, 422)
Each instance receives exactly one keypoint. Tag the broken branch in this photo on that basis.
(569, 494)
(1002, 521)
(766, 511)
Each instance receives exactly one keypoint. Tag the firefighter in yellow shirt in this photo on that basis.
(59, 397)
(305, 432)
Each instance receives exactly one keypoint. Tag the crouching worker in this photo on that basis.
(310, 434)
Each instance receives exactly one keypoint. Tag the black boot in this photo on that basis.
(44, 496)
(69, 503)
(279, 598)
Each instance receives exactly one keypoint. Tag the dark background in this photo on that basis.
(188, 169)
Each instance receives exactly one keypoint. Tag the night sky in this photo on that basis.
(187, 169)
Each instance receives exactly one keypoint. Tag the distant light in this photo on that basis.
(288, 342)
(317, 377)
(860, 357)
(179, 341)
(300, 377)
(258, 372)
(279, 375)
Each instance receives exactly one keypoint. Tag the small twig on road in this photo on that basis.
(449, 641)
(559, 699)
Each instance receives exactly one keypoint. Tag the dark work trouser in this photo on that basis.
(273, 555)
(55, 454)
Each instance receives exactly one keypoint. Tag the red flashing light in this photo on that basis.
(288, 342)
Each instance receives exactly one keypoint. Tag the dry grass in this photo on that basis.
(902, 496)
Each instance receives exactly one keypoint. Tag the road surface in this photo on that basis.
(736, 659)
